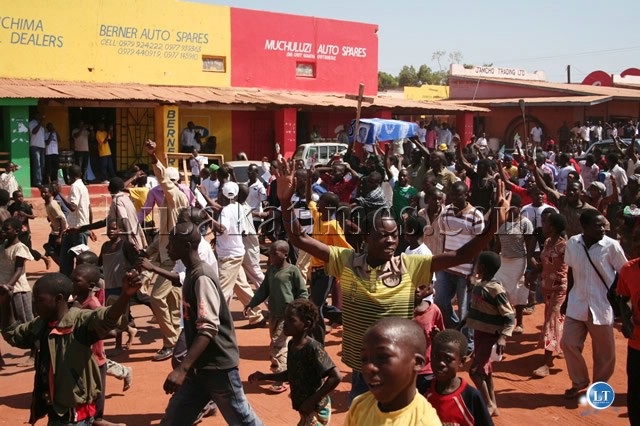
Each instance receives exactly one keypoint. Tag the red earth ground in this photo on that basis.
(522, 399)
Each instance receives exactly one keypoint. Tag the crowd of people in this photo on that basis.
(432, 252)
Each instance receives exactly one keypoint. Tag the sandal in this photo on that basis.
(518, 330)
(279, 387)
(541, 371)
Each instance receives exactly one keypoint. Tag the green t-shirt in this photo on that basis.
(402, 196)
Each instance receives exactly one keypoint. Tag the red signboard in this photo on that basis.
(302, 53)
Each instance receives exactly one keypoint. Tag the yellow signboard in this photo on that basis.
(170, 141)
(165, 42)
(427, 92)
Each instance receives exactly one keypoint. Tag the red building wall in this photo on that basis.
(253, 133)
(266, 47)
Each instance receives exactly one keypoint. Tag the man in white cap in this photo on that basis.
(165, 297)
(231, 251)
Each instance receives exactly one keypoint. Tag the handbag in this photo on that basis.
(612, 293)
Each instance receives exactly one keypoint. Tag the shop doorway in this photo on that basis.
(303, 128)
(92, 117)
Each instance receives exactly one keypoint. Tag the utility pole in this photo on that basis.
(569, 74)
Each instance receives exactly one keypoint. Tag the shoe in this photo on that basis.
(571, 393)
(211, 409)
(529, 310)
(258, 324)
(162, 354)
(128, 379)
(518, 330)
(541, 372)
(279, 387)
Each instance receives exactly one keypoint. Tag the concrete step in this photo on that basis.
(99, 197)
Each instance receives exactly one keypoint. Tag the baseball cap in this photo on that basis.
(601, 187)
(230, 190)
(173, 173)
(213, 167)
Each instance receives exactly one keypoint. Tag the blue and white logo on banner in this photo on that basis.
(600, 395)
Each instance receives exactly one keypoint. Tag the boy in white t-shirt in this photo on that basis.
(230, 249)
(196, 164)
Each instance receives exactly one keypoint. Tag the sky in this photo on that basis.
(535, 35)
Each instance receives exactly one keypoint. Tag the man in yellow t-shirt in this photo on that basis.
(392, 356)
(327, 230)
(103, 137)
(375, 283)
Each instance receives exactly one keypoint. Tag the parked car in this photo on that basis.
(319, 152)
(241, 167)
(606, 146)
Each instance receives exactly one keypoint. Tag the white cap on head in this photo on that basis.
(230, 190)
(172, 173)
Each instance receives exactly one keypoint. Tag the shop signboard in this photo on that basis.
(290, 52)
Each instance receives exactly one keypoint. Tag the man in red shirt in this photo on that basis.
(629, 290)
(338, 181)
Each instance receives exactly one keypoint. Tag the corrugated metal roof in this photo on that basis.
(62, 90)
(587, 100)
(617, 92)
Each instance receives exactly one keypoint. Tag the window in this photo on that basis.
(322, 152)
(305, 69)
(214, 63)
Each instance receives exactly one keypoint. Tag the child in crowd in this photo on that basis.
(196, 164)
(67, 378)
(85, 279)
(8, 180)
(90, 258)
(114, 369)
(13, 277)
(492, 319)
(117, 257)
(282, 284)
(4, 201)
(392, 356)
(456, 402)
(57, 222)
(310, 371)
(24, 212)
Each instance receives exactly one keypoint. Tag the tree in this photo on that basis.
(426, 75)
(386, 81)
(408, 76)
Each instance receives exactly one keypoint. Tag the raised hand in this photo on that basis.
(286, 182)
(502, 203)
(150, 146)
(132, 283)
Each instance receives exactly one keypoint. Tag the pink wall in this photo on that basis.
(285, 122)
(265, 48)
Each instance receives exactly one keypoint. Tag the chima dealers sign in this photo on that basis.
(497, 72)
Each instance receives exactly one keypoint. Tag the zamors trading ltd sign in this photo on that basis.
(299, 49)
(497, 72)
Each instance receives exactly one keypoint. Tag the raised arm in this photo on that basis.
(461, 158)
(387, 162)
(503, 176)
(297, 237)
(472, 249)
(537, 174)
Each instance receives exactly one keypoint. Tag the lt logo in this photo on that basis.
(600, 395)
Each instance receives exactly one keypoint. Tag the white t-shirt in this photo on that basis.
(422, 135)
(197, 164)
(445, 137)
(80, 140)
(188, 138)
(257, 194)
(534, 214)
(563, 174)
(36, 140)
(79, 196)
(588, 174)
(212, 187)
(52, 148)
(230, 243)
(585, 133)
(536, 134)
(422, 249)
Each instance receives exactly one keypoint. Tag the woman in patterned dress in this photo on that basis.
(554, 287)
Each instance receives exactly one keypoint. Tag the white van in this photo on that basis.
(318, 152)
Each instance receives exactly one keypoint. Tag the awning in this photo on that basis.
(67, 91)
(536, 101)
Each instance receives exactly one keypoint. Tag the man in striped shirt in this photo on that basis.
(460, 222)
(375, 283)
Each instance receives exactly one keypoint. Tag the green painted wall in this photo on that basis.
(15, 141)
